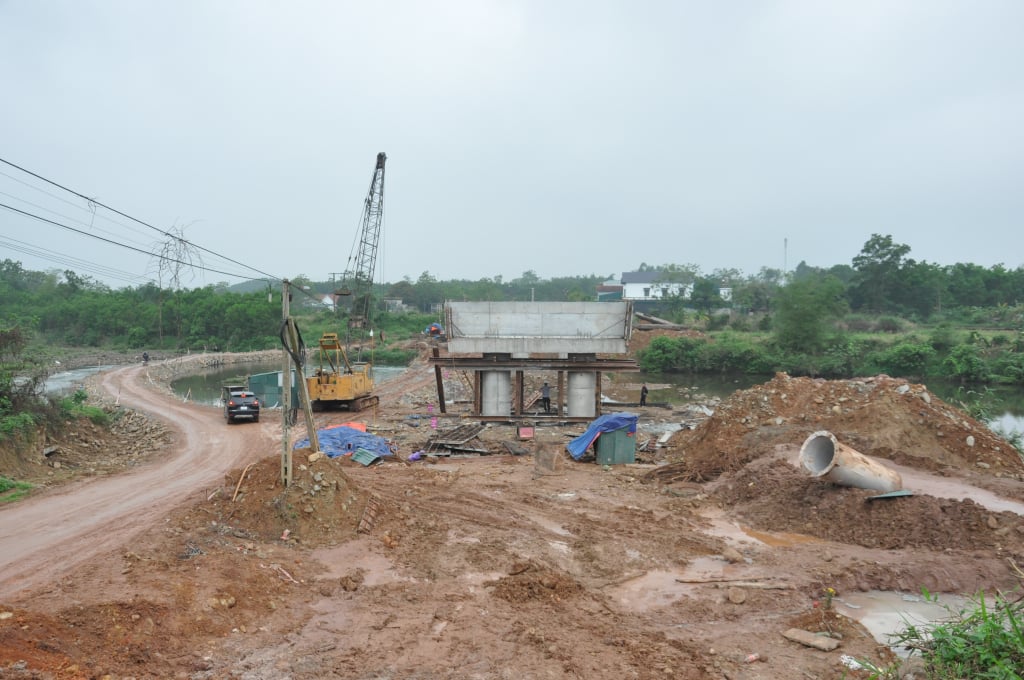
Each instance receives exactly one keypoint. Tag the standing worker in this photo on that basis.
(643, 395)
(545, 397)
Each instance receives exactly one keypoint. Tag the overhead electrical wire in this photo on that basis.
(145, 224)
(125, 245)
(66, 217)
(67, 260)
(91, 209)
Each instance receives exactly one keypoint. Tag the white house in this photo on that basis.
(651, 285)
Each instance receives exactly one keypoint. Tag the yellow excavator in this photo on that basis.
(339, 383)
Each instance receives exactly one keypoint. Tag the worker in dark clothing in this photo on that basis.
(545, 397)
(643, 395)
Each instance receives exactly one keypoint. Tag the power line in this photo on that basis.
(60, 258)
(145, 224)
(124, 245)
(66, 217)
(91, 210)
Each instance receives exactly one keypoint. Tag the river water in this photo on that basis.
(1006, 410)
(204, 387)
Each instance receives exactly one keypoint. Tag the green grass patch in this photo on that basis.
(16, 424)
(12, 490)
(984, 641)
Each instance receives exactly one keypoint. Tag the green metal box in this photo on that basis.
(267, 387)
(617, 447)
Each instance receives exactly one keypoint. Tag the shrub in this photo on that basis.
(672, 354)
(718, 322)
(888, 324)
(905, 359)
(740, 324)
(732, 354)
(943, 338)
(964, 363)
(11, 490)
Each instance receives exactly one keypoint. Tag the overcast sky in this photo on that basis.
(563, 137)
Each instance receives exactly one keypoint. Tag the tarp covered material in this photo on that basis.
(342, 441)
(606, 423)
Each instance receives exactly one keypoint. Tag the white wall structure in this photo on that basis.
(652, 285)
(525, 328)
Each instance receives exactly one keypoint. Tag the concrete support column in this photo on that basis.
(581, 394)
(495, 393)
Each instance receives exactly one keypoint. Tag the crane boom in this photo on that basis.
(340, 382)
(366, 257)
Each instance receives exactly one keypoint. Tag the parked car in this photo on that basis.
(239, 402)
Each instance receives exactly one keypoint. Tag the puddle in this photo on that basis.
(478, 578)
(884, 612)
(553, 527)
(779, 540)
(738, 536)
(944, 487)
(357, 554)
(920, 482)
(662, 587)
(657, 588)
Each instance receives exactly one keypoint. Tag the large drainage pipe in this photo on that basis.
(823, 456)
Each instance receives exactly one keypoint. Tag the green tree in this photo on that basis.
(805, 311)
(878, 269)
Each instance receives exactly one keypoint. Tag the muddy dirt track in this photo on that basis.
(503, 566)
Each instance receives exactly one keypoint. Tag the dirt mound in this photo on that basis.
(83, 448)
(879, 416)
(320, 507)
(640, 338)
(527, 581)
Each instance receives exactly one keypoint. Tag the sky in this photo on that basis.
(562, 137)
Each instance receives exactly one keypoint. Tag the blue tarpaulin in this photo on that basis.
(606, 423)
(342, 441)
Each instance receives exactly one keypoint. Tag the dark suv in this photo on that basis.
(239, 402)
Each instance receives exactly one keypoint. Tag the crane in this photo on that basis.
(339, 382)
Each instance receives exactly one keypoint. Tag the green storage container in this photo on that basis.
(617, 447)
(267, 387)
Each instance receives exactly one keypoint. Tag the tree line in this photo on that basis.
(799, 307)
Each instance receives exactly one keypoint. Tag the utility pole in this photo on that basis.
(286, 393)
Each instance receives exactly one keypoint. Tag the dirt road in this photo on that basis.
(504, 566)
(50, 535)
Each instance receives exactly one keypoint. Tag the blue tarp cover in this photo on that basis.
(606, 423)
(342, 441)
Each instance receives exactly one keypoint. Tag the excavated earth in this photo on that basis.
(176, 552)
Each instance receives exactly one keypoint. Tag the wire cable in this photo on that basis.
(67, 260)
(124, 245)
(145, 224)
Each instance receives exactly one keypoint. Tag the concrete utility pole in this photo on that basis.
(286, 393)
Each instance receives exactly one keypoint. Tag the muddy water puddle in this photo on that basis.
(925, 483)
(885, 613)
(662, 587)
(945, 487)
(738, 535)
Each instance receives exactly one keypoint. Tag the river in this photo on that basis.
(1005, 405)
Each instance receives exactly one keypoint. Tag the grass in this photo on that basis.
(12, 490)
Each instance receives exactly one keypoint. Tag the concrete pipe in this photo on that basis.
(823, 456)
